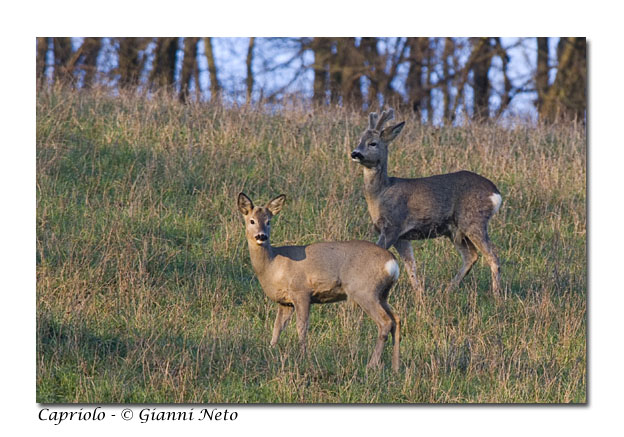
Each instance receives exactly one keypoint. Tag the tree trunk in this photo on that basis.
(131, 64)
(90, 50)
(429, 62)
(541, 76)
(447, 88)
(62, 60)
(321, 49)
(414, 83)
(189, 65)
(163, 70)
(507, 86)
(215, 88)
(481, 62)
(368, 48)
(566, 97)
(249, 63)
(42, 61)
(335, 73)
(351, 65)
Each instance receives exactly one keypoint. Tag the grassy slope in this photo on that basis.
(145, 292)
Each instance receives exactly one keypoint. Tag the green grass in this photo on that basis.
(145, 292)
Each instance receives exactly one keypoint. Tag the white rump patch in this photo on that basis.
(496, 201)
(392, 268)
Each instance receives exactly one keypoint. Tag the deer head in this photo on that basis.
(258, 218)
(373, 147)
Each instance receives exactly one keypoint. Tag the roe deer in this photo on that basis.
(297, 276)
(456, 205)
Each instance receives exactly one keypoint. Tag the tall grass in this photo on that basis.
(145, 292)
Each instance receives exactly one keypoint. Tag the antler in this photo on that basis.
(385, 116)
(372, 120)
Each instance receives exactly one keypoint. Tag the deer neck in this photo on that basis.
(375, 181)
(261, 257)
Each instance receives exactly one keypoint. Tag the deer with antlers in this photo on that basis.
(455, 205)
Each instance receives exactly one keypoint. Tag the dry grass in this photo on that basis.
(145, 292)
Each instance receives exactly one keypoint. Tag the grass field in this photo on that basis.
(145, 291)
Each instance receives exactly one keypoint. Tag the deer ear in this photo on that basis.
(391, 132)
(245, 205)
(276, 204)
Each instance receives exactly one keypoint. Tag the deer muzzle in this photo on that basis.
(356, 156)
(261, 238)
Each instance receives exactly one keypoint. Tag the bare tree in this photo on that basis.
(189, 67)
(87, 61)
(249, 64)
(451, 77)
(163, 70)
(370, 54)
(346, 68)
(541, 75)
(448, 66)
(63, 63)
(42, 62)
(481, 61)
(566, 97)
(131, 60)
(335, 72)
(215, 87)
(508, 89)
(322, 52)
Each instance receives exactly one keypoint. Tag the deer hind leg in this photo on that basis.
(395, 331)
(482, 241)
(385, 324)
(469, 255)
(284, 313)
(406, 252)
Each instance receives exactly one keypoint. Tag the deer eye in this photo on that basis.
(269, 223)
(252, 222)
(373, 144)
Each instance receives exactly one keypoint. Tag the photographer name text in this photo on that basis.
(144, 415)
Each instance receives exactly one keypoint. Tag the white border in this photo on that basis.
(599, 21)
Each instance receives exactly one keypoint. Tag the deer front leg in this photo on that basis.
(284, 313)
(302, 308)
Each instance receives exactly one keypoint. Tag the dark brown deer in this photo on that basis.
(297, 276)
(455, 205)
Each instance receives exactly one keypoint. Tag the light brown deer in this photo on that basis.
(297, 276)
(456, 205)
